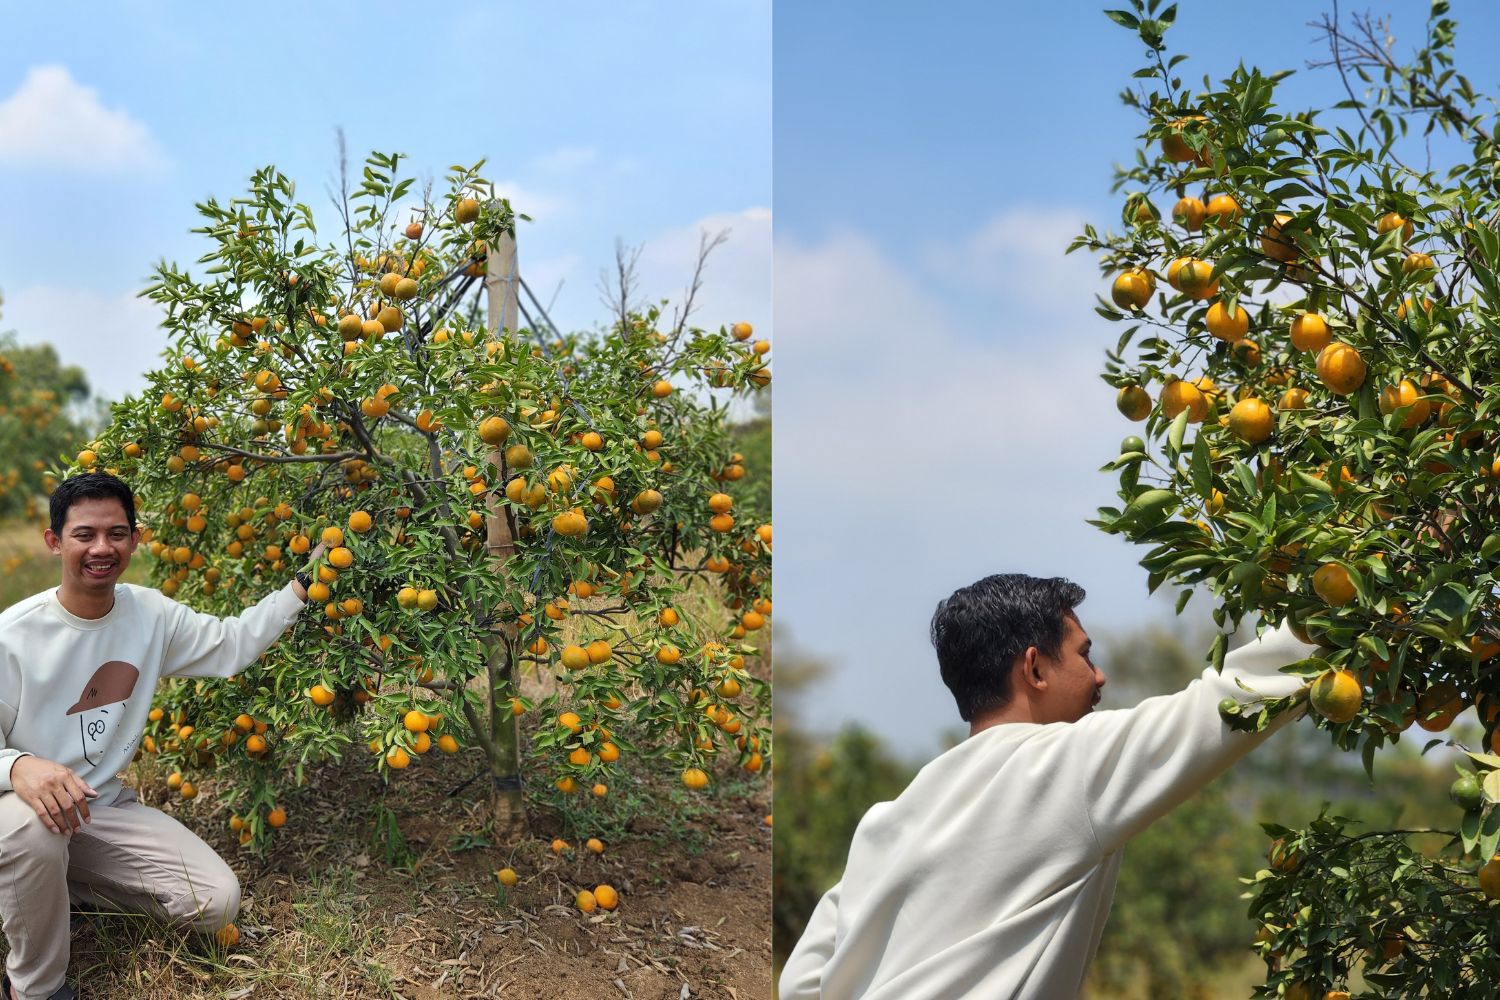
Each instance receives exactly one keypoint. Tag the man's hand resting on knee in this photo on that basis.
(58, 795)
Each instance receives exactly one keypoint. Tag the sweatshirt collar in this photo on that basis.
(86, 624)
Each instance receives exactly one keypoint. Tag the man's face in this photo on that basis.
(1073, 682)
(95, 545)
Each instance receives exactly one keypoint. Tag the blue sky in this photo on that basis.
(643, 122)
(939, 412)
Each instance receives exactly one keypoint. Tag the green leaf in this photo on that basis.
(1490, 547)
(1175, 434)
(1469, 828)
(1202, 470)
(1312, 482)
(1124, 19)
(1244, 572)
(1489, 840)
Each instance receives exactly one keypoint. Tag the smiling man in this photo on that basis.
(78, 665)
(992, 874)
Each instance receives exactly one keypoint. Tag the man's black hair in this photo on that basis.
(88, 486)
(983, 629)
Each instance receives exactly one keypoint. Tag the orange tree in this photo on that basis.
(1310, 344)
(490, 502)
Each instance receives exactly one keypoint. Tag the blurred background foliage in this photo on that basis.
(46, 409)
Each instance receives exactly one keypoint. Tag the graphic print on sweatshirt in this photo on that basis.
(112, 684)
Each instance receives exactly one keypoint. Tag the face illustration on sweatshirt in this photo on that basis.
(102, 702)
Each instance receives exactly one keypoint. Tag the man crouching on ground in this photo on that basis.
(78, 666)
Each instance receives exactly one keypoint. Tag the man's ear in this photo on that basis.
(1031, 670)
(53, 542)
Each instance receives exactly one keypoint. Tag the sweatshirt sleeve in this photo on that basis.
(200, 645)
(802, 976)
(1141, 763)
(8, 758)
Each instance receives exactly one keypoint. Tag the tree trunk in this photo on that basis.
(507, 803)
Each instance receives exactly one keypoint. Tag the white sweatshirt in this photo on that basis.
(77, 691)
(992, 874)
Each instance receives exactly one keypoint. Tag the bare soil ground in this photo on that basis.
(326, 914)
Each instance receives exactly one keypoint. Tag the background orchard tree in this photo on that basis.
(494, 497)
(1310, 343)
(45, 409)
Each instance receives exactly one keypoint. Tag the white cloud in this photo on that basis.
(736, 278)
(114, 338)
(54, 121)
(544, 274)
(927, 438)
(1019, 251)
(564, 158)
(539, 205)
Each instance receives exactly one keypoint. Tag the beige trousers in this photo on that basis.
(129, 858)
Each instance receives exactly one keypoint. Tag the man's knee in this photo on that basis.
(23, 835)
(210, 901)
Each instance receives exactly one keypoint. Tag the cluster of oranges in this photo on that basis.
(1296, 389)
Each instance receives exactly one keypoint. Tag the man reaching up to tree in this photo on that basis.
(992, 874)
(78, 665)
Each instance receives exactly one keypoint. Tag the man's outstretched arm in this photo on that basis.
(802, 976)
(1136, 765)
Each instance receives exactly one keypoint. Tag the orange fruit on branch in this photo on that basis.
(1438, 706)
(1310, 332)
(1251, 420)
(1193, 277)
(1394, 220)
(1405, 393)
(1337, 695)
(1222, 209)
(1276, 243)
(1333, 584)
(1133, 402)
(1132, 289)
(1293, 399)
(1225, 323)
(1177, 148)
(1180, 395)
(1421, 265)
(1189, 213)
(494, 430)
(1341, 368)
